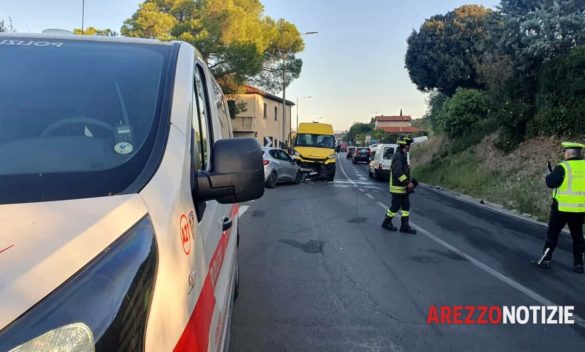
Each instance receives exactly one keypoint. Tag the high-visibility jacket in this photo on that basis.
(571, 194)
(399, 173)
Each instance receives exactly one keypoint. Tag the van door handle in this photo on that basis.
(226, 224)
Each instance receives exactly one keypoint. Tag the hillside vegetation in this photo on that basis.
(505, 86)
(514, 180)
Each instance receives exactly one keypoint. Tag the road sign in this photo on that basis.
(268, 142)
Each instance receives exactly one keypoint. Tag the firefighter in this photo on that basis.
(400, 187)
(568, 206)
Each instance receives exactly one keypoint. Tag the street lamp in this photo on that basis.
(285, 57)
(298, 99)
(82, 15)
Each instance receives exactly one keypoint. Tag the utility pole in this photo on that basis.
(284, 137)
(82, 15)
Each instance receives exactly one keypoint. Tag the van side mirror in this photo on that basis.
(237, 173)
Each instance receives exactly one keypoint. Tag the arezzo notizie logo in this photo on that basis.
(500, 315)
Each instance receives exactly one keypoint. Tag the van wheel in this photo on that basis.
(370, 173)
(376, 175)
(272, 179)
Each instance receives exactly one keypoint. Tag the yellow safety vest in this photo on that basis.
(571, 194)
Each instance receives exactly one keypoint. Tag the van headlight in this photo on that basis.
(332, 156)
(103, 307)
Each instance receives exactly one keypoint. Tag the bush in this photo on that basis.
(462, 111)
(560, 99)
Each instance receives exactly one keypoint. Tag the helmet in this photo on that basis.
(404, 140)
(572, 145)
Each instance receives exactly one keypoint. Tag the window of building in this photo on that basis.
(275, 113)
(265, 112)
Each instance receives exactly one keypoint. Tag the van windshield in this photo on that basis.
(315, 140)
(76, 117)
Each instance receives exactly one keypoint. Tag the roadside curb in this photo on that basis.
(493, 207)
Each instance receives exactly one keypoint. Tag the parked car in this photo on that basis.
(361, 154)
(280, 167)
(350, 151)
(129, 240)
(379, 167)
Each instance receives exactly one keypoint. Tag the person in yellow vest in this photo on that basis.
(568, 207)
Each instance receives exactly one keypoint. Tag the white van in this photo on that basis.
(119, 184)
(379, 167)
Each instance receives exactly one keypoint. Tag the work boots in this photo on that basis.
(405, 227)
(387, 224)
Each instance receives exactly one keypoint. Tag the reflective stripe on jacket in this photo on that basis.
(571, 194)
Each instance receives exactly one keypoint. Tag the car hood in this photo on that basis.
(314, 153)
(43, 244)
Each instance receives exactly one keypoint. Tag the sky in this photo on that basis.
(353, 69)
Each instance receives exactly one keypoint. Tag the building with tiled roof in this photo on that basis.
(395, 124)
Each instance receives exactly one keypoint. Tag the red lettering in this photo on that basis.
(457, 315)
(445, 315)
(470, 312)
(433, 316)
(482, 313)
(497, 319)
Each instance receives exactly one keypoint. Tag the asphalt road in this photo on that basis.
(318, 273)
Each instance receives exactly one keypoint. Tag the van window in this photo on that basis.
(222, 109)
(315, 140)
(78, 119)
(203, 134)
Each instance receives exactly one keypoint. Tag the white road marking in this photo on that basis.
(505, 279)
(242, 210)
(361, 189)
(369, 196)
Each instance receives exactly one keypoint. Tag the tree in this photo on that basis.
(281, 66)
(358, 130)
(445, 52)
(232, 36)
(462, 111)
(536, 31)
(95, 31)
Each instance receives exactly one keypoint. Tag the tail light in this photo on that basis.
(266, 162)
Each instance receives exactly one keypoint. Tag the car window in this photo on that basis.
(274, 153)
(283, 155)
(388, 152)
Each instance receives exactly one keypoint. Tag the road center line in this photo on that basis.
(505, 279)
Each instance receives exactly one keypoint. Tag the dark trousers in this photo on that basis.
(399, 201)
(557, 221)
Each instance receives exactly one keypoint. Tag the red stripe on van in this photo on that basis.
(195, 337)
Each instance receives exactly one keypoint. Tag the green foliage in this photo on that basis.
(95, 31)
(435, 103)
(445, 52)
(462, 111)
(281, 66)
(358, 131)
(535, 31)
(561, 96)
(234, 37)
